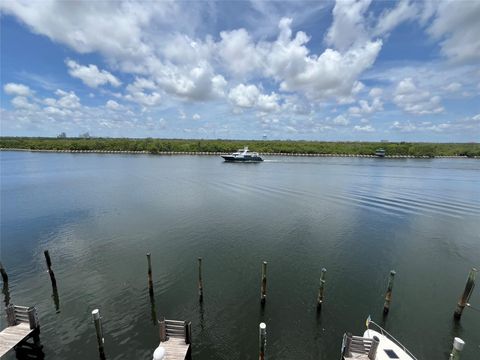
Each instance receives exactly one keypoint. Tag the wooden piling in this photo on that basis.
(458, 345)
(99, 331)
(163, 330)
(150, 278)
(188, 332)
(200, 281)
(4, 274)
(262, 340)
(388, 294)
(263, 289)
(467, 292)
(321, 289)
(50, 271)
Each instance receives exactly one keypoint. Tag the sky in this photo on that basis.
(301, 70)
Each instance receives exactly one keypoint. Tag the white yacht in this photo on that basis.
(243, 155)
(375, 344)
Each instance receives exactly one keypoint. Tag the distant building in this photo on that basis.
(84, 135)
(384, 141)
(62, 135)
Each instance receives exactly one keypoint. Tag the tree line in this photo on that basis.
(156, 146)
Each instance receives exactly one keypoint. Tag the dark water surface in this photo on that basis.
(100, 214)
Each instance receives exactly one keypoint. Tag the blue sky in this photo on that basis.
(316, 70)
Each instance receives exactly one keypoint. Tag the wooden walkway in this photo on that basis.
(13, 335)
(22, 323)
(175, 338)
(175, 349)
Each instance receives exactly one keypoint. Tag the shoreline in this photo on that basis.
(207, 153)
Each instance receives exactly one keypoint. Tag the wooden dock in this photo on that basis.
(175, 338)
(22, 324)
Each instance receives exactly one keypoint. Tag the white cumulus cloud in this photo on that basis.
(416, 101)
(91, 75)
(17, 89)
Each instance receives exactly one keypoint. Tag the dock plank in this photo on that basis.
(12, 335)
(175, 349)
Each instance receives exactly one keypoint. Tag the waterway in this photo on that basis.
(99, 214)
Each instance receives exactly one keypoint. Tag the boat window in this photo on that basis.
(391, 354)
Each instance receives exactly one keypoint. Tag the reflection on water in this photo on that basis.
(359, 218)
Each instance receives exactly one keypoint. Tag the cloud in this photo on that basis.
(406, 126)
(199, 83)
(17, 89)
(453, 87)
(330, 74)
(238, 52)
(456, 24)
(365, 108)
(91, 75)
(414, 100)
(196, 117)
(136, 92)
(364, 128)
(375, 92)
(21, 102)
(113, 105)
(341, 120)
(348, 26)
(389, 19)
(249, 96)
(67, 100)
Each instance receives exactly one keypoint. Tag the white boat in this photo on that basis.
(243, 155)
(375, 344)
(380, 152)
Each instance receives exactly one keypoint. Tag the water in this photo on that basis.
(100, 214)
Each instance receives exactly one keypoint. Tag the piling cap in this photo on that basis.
(263, 326)
(159, 353)
(458, 344)
(96, 314)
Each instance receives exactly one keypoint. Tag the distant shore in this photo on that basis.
(203, 153)
(219, 147)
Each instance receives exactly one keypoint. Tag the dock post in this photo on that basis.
(388, 295)
(188, 332)
(263, 290)
(33, 318)
(11, 317)
(150, 278)
(50, 271)
(98, 329)
(321, 289)
(262, 340)
(56, 299)
(163, 330)
(458, 345)
(464, 299)
(200, 281)
(4, 274)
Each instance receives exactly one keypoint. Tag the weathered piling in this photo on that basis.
(97, 320)
(262, 340)
(200, 281)
(321, 289)
(467, 292)
(263, 289)
(163, 330)
(188, 332)
(388, 294)
(50, 271)
(458, 345)
(150, 278)
(5, 289)
(4, 274)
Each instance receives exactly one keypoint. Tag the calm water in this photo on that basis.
(100, 214)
